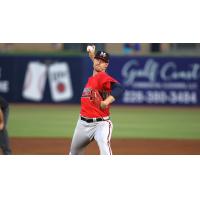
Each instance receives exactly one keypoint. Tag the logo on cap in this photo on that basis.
(103, 54)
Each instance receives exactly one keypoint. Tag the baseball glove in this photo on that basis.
(96, 98)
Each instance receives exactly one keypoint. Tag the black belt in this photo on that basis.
(93, 119)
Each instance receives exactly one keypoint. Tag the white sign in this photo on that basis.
(60, 82)
(35, 79)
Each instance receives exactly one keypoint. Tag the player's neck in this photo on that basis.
(96, 72)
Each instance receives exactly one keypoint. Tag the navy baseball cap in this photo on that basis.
(103, 56)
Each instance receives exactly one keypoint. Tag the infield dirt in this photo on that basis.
(60, 146)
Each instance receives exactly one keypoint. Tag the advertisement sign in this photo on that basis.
(171, 81)
(60, 81)
(41, 79)
(35, 79)
(146, 80)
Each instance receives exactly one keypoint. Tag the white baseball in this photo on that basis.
(90, 48)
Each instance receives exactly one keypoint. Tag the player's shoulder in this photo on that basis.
(103, 76)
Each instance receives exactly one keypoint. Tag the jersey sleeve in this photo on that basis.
(105, 81)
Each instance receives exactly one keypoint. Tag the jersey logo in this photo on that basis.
(86, 92)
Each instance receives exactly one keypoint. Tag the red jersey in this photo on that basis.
(101, 82)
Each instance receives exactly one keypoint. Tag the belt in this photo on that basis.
(90, 120)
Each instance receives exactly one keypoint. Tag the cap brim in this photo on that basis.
(102, 59)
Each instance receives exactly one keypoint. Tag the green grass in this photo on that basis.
(129, 122)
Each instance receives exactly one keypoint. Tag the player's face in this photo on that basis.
(100, 65)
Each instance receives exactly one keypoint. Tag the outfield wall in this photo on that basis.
(58, 79)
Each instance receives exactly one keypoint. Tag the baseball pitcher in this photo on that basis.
(100, 91)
